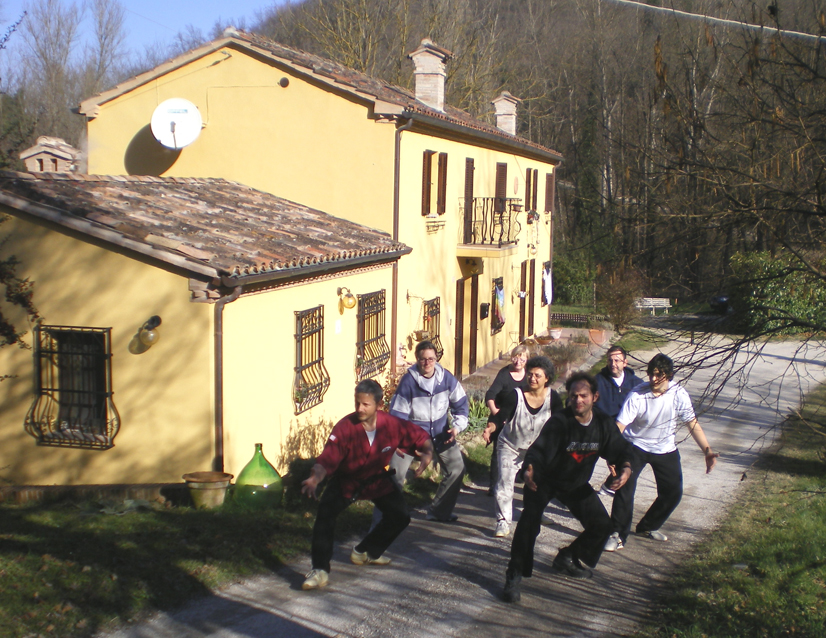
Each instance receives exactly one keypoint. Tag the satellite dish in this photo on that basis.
(176, 123)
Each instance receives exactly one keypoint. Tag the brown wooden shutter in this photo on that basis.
(535, 193)
(531, 292)
(501, 186)
(523, 286)
(441, 196)
(467, 230)
(528, 188)
(427, 170)
(550, 192)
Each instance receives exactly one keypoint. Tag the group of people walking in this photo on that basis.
(552, 448)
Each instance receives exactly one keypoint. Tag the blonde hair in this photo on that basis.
(520, 350)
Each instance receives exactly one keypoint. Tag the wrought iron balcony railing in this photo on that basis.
(489, 221)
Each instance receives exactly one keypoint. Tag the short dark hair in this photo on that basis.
(661, 363)
(619, 349)
(544, 364)
(371, 386)
(424, 345)
(576, 377)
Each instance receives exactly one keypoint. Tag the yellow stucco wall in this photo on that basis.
(435, 264)
(259, 360)
(163, 396)
(300, 142)
(313, 146)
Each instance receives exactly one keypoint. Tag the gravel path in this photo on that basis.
(446, 579)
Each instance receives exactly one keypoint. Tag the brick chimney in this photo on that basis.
(505, 106)
(429, 60)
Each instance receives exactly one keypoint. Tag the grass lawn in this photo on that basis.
(763, 573)
(72, 569)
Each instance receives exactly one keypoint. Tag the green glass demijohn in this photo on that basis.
(259, 484)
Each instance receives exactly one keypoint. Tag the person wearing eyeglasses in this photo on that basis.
(648, 420)
(426, 394)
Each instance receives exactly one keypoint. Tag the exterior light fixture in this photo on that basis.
(346, 299)
(146, 336)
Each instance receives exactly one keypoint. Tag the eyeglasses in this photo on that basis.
(656, 375)
(428, 360)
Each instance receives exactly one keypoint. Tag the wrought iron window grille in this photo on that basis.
(311, 378)
(430, 324)
(73, 404)
(372, 350)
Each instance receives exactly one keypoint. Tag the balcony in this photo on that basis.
(490, 222)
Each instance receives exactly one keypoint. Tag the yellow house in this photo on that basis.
(474, 201)
(182, 320)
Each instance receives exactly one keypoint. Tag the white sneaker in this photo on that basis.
(502, 529)
(654, 535)
(315, 579)
(546, 519)
(614, 543)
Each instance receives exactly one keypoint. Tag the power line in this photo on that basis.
(706, 18)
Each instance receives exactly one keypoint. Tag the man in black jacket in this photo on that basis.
(559, 465)
(615, 381)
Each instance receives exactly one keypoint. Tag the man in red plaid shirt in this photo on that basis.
(355, 457)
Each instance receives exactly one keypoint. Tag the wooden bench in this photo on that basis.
(653, 303)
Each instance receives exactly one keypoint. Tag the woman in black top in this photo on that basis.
(510, 377)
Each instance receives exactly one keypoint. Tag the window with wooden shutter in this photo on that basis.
(311, 378)
(467, 226)
(441, 193)
(372, 351)
(427, 180)
(73, 404)
(529, 186)
(550, 192)
(501, 187)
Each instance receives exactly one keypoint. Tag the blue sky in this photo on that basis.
(149, 22)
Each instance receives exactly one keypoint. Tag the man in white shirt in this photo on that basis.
(649, 419)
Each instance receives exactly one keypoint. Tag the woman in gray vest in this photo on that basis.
(521, 416)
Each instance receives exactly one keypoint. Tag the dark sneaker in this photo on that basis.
(654, 535)
(512, 593)
(450, 519)
(570, 566)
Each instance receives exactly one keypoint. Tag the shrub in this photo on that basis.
(774, 294)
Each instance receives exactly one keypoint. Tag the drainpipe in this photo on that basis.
(394, 295)
(218, 460)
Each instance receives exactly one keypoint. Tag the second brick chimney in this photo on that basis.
(505, 106)
(429, 62)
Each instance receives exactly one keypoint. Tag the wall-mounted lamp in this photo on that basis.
(532, 248)
(473, 266)
(146, 336)
(346, 299)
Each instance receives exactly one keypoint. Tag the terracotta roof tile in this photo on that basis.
(227, 226)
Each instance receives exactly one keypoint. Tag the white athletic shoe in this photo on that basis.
(502, 529)
(614, 543)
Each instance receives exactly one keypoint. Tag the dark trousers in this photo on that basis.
(583, 503)
(395, 517)
(668, 474)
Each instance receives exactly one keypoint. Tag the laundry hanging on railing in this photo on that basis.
(547, 284)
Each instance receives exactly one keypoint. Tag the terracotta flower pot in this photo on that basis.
(207, 489)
